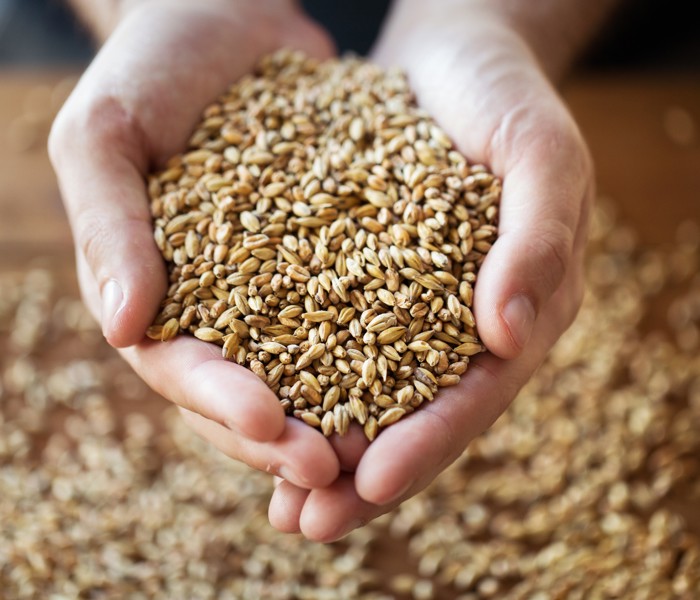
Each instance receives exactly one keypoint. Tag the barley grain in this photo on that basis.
(333, 254)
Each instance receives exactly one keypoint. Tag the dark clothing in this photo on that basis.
(646, 34)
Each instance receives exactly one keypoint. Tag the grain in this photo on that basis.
(577, 491)
(334, 225)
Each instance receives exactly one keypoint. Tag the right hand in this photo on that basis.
(133, 109)
(488, 91)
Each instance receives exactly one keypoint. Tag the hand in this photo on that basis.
(477, 76)
(134, 108)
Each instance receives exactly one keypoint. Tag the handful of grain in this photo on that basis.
(324, 232)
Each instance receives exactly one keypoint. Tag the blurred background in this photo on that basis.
(645, 35)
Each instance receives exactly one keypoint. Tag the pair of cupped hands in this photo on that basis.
(136, 106)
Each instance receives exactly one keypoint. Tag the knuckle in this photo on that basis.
(103, 122)
(507, 132)
(449, 443)
(109, 122)
(92, 236)
(560, 138)
(551, 250)
(103, 240)
(537, 130)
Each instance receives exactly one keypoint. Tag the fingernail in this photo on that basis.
(112, 300)
(288, 473)
(519, 314)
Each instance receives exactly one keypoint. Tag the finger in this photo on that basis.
(546, 180)
(89, 290)
(331, 513)
(286, 506)
(288, 500)
(105, 197)
(349, 448)
(288, 456)
(192, 374)
(436, 432)
(439, 432)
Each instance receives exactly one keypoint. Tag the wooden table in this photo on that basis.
(32, 220)
(630, 125)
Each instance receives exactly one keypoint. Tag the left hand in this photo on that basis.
(132, 110)
(481, 80)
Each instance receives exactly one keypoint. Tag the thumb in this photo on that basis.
(106, 201)
(547, 173)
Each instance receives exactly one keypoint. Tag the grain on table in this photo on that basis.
(589, 472)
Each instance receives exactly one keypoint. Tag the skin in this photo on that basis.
(133, 109)
(487, 79)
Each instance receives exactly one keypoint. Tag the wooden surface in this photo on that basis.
(629, 125)
(32, 219)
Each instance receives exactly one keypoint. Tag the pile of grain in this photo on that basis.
(325, 233)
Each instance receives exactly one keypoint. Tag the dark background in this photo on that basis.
(645, 35)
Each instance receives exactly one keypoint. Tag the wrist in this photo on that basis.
(553, 32)
(102, 17)
(462, 31)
